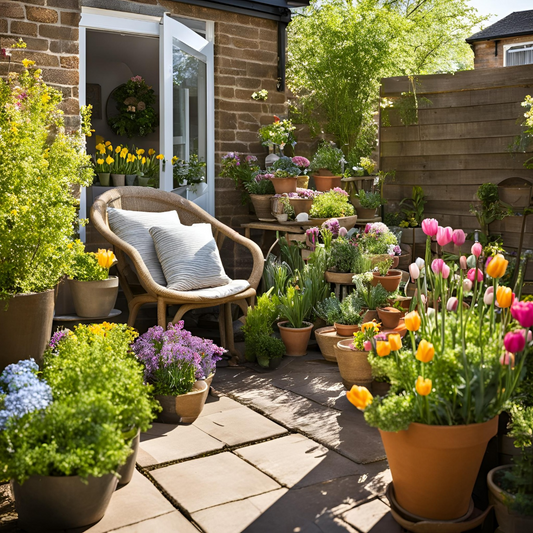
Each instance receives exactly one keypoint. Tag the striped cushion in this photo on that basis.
(133, 227)
(189, 257)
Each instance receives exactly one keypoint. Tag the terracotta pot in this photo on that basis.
(405, 301)
(183, 408)
(344, 278)
(346, 330)
(283, 185)
(395, 261)
(390, 282)
(325, 183)
(25, 326)
(353, 365)
(295, 339)
(301, 205)
(434, 468)
(303, 182)
(94, 299)
(371, 314)
(262, 206)
(103, 178)
(508, 521)
(324, 172)
(119, 180)
(126, 470)
(389, 316)
(365, 214)
(327, 337)
(62, 502)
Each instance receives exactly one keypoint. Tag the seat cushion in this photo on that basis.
(133, 227)
(235, 286)
(189, 257)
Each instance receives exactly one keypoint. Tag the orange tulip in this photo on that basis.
(360, 397)
(383, 348)
(106, 258)
(412, 321)
(395, 341)
(497, 266)
(504, 296)
(423, 386)
(425, 351)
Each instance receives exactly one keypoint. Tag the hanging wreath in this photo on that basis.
(136, 116)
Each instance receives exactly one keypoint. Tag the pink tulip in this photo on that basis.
(462, 262)
(444, 235)
(507, 359)
(529, 336)
(514, 341)
(367, 346)
(471, 275)
(488, 297)
(477, 249)
(467, 285)
(423, 298)
(430, 227)
(367, 228)
(342, 232)
(452, 304)
(445, 271)
(522, 312)
(436, 266)
(458, 237)
(414, 271)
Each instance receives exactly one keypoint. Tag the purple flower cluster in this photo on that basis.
(340, 191)
(312, 237)
(332, 225)
(262, 177)
(300, 193)
(301, 162)
(56, 338)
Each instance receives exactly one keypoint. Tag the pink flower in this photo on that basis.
(301, 162)
(471, 275)
(430, 227)
(467, 285)
(514, 341)
(488, 297)
(458, 237)
(522, 312)
(343, 232)
(423, 298)
(436, 266)
(462, 262)
(414, 271)
(507, 359)
(477, 249)
(452, 304)
(367, 346)
(444, 235)
(368, 228)
(445, 271)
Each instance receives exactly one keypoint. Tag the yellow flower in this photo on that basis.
(106, 258)
(99, 146)
(160, 157)
(143, 160)
(14, 212)
(140, 151)
(504, 296)
(108, 143)
(383, 348)
(412, 321)
(497, 266)
(28, 63)
(118, 149)
(100, 161)
(370, 325)
(70, 245)
(130, 158)
(425, 351)
(423, 386)
(109, 160)
(45, 98)
(360, 397)
(151, 152)
(102, 150)
(123, 153)
(174, 159)
(395, 341)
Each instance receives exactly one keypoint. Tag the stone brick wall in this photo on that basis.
(484, 51)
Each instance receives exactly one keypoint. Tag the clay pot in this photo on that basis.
(434, 468)
(344, 278)
(365, 214)
(183, 408)
(371, 314)
(119, 180)
(325, 183)
(346, 330)
(327, 337)
(395, 261)
(295, 339)
(390, 317)
(303, 182)
(353, 365)
(284, 185)
(301, 205)
(94, 299)
(390, 282)
(262, 206)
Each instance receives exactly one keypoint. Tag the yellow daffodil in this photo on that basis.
(108, 143)
(28, 63)
(109, 160)
(143, 160)
(412, 321)
(395, 341)
(100, 161)
(425, 351)
(497, 266)
(360, 397)
(423, 386)
(160, 157)
(140, 151)
(151, 152)
(174, 159)
(370, 325)
(99, 146)
(118, 149)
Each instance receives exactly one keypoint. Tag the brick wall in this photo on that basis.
(484, 51)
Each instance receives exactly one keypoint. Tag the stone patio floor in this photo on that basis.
(278, 451)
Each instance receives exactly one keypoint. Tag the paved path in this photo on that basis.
(272, 452)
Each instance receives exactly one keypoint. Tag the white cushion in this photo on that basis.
(189, 257)
(235, 286)
(133, 227)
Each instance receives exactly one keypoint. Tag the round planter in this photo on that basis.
(262, 206)
(62, 502)
(353, 365)
(126, 470)
(344, 278)
(346, 330)
(516, 192)
(119, 180)
(434, 468)
(390, 317)
(25, 326)
(413, 236)
(327, 338)
(283, 217)
(303, 182)
(390, 282)
(371, 314)
(94, 299)
(184, 408)
(395, 261)
(325, 183)
(103, 178)
(301, 205)
(284, 185)
(295, 339)
(130, 179)
(364, 213)
(508, 521)
(143, 181)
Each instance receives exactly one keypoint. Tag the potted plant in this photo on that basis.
(342, 256)
(371, 297)
(450, 350)
(379, 243)
(303, 164)
(284, 181)
(178, 365)
(93, 290)
(332, 204)
(148, 168)
(261, 190)
(327, 167)
(102, 161)
(302, 200)
(390, 316)
(188, 173)
(282, 208)
(327, 337)
(412, 216)
(490, 208)
(241, 169)
(369, 202)
(279, 133)
(40, 163)
(389, 278)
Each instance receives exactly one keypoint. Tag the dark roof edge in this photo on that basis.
(504, 36)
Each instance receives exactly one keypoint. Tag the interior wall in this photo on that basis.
(112, 59)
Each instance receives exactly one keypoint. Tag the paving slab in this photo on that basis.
(218, 404)
(173, 522)
(238, 426)
(334, 524)
(372, 517)
(296, 461)
(163, 443)
(213, 480)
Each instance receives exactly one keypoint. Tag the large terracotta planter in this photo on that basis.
(389, 317)
(325, 183)
(295, 339)
(301, 205)
(508, 521)
(62, 502)
(94, 299)
(284, 185)
(353, 365)
(327, 338)
(184, 408)
(344, 278)
(364, 213)
(346, 330)
(434, 468)
(262, 206)
(25, 326)
(390, 282)
(371, 314)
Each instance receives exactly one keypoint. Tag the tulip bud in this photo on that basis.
(383, 348)
(529, 336)
(507, 359)
(452, 304)
(395, 341)
(367, 346)
(467, 285)
(444, 235)
(462, 262)
(471, 262)
(412, 321)
(504, 297)
(471, 275)
(458, 237)
(436, 266)
(343, 232)
(414, 271)
(488, 297)
(514, 341)
(497, 266)
(420, 263)
(477, 249)
(423, 299)
(445, 271)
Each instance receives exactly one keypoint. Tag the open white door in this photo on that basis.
(187, 103)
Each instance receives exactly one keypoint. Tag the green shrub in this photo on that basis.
(343, 255)
(327, 156)
(332, 204)
(266, 348)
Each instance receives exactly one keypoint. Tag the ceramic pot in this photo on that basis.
(390, 282)
(389, 316)
(284, 185)
(365, 214)
(94, 299)
(130, 179)
(62, 502)
(508, 521)
(126, 470)
(353, 365)
(301, 205)
(25, 326)
(262, 206)
(344, 278)
(183, 408)
(119, 180)
(283, 217)
(327, 337)
(346, 330)
(295, 339)
(103, 178)
(413, 236)
(371, 314)
(303, 182)
(516, 192)
(325, 183)
(434, 468)
(143, 181)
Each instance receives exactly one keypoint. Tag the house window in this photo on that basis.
(520, 54)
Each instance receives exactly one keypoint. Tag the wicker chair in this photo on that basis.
(137, 283)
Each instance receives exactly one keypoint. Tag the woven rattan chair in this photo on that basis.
(137, 283)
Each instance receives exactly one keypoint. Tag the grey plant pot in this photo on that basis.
(126, 470)
(94, 299)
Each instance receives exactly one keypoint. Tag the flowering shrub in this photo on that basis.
(285, 164)
(241, 169)
(377, 239)
(332, 204)
(301, 162)
(260, 184)
(278, 133)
